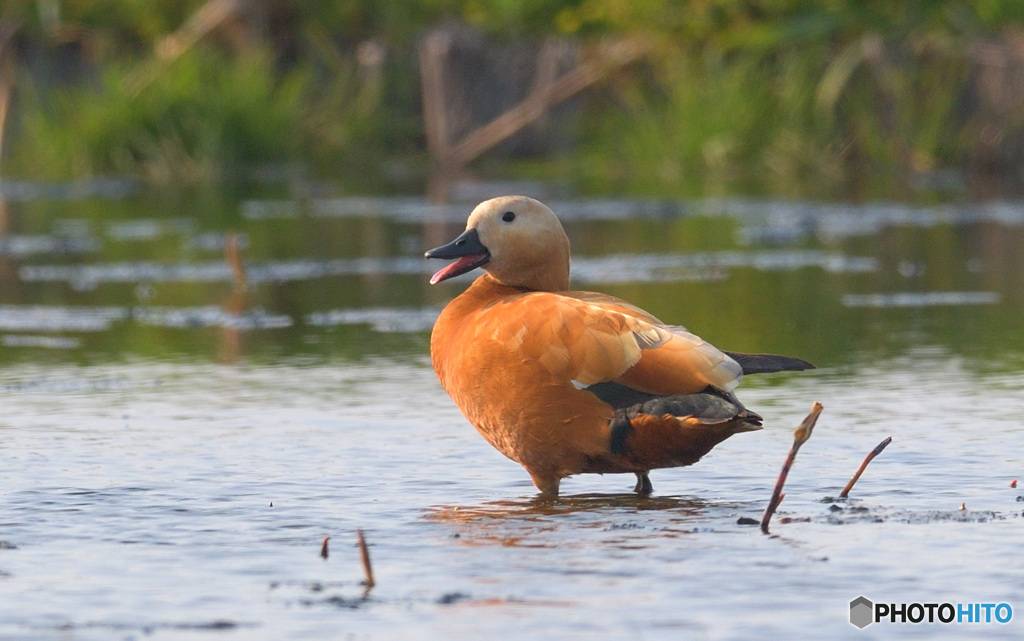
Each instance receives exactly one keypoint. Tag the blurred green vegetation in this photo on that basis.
(178, 129)
(789, 97)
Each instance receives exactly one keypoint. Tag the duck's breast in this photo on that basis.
(515, 365)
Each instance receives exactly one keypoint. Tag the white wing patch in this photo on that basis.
(651, 336)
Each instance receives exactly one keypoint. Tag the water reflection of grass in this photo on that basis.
(347, 288)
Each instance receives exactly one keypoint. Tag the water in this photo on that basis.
(175, 447)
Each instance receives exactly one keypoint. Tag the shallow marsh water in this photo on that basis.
(174, 448)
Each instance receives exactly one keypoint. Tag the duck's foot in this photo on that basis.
(643, 484)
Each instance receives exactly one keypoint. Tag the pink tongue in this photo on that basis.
(458, 265)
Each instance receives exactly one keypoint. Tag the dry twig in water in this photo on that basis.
(867, 459)
(800, 436)
(365, 554)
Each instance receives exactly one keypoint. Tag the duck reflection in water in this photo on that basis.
(539, 521)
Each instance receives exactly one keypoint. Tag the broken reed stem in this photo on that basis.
(238, 278)
(364, 553)
(867, 459)
(800, 436)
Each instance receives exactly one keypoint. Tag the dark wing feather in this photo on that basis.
(767, 363)
(618, 395)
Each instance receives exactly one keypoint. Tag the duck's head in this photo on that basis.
(517, 240)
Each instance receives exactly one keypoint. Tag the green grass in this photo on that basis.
(793, 122)
(807, 104)
(202, 118)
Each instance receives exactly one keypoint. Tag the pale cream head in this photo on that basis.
(528, 246)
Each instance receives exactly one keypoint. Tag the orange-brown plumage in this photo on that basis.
(568, 382)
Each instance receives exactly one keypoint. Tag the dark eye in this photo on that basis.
(508, 216)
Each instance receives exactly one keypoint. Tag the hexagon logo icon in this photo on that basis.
(861, 612)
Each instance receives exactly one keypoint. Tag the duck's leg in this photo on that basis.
(643, 484)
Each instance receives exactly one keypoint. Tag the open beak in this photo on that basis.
(467, 249)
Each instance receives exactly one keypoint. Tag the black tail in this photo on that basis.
(767, 363)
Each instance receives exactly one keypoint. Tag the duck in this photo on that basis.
(574, 382)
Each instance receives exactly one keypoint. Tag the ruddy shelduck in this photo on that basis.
(566, 382)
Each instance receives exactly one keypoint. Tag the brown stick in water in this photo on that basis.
(800, 436)
(867, 459)
(364, 553)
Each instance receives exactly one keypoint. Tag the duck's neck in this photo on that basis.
(534, 281)
(550, 275)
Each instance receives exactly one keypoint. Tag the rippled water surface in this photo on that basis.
(176, 440)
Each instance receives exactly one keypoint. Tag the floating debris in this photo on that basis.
(46, 318)
(324, 553)
(44, 342)
(407, 209)
(209, 316)
(269, 209)
(833, 222)
(587, 269)
(20, 246)
(86, 277)
(921, 299)
(56, 318)
(148, 629)
(214, 241)
(762, 221)
(110, 188)
(337, 601)
(381, 319)
(794, 519)
(71, 385)
(911, 269)
(146, 229)
(621, 268)
(887, 515)
(451, 598)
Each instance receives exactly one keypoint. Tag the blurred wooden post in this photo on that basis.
(8, 30)
(433, 50)
(212, 15)
(548, 90)
(547, 69)
(537, 104)
(229, 347)
(207, 18)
